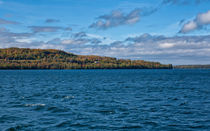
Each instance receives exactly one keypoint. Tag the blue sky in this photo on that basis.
(168, 31)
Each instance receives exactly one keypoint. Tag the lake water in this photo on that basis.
(104, 100)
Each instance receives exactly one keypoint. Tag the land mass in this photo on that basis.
(25, 58)
(192, 67)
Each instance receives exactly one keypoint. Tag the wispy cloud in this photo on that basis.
(201, 20)
(7, 33)
(51, 20)
(81, 38)
(5, 22)
(68, 29)
(79, 35)
(44, 29)
(116, 18)
(183, 2)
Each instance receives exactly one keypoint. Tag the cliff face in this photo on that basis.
(25, 58)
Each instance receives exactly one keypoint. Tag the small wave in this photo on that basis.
(69, 97)
(57, 109)
(106, 112)
(20, 127)
(31, 105)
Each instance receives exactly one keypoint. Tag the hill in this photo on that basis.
(25, 58)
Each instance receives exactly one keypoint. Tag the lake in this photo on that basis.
(105, 100)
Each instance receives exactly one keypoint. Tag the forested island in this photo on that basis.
(192, 67)
(25, 58)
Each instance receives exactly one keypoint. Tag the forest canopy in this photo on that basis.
(25, 58)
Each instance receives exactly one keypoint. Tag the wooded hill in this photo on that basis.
(25, 58)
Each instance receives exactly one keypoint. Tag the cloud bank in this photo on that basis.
(175, 50)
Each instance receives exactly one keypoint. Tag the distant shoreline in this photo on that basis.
(25, 58)
(89, 69)
(191, 67)
(105, 69)
(52, 59)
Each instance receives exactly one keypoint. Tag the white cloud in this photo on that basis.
(95, 36)
(26, 40)
(190, 26)
(67, 41)
(202, 19)
(166, 45)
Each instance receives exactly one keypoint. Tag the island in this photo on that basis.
(26, 58)
(191, 67)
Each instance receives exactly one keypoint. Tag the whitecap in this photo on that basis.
(69, 97)
(30, 105)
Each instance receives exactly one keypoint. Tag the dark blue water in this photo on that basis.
(105, 100)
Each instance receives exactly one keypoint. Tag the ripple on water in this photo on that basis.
(105, 100)
(32, 105)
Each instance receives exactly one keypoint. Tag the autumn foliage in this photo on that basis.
(25, 58)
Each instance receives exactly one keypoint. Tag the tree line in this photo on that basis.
(192, 67)
(25, 58)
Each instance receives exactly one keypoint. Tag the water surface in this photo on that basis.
(105, 100)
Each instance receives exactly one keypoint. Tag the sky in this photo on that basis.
(168, 31)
